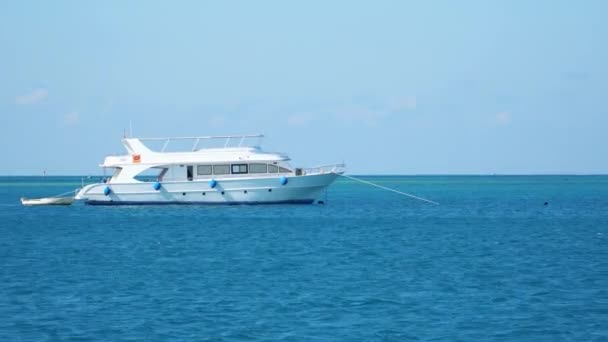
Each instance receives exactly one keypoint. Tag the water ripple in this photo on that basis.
(492, 262)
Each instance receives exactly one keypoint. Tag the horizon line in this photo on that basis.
(367, 174)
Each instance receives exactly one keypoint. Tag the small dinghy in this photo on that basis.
(47, 201)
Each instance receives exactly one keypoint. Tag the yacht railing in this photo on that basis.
(334, 168)
(197, 140)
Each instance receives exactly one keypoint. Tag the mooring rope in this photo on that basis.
(65, 193)
(389, 189)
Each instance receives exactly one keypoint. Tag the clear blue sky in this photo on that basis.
(397, 87)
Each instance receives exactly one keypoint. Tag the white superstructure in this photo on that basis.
(228, 174)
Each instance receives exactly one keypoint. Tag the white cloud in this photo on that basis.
(402, 103)
(374, 112)
(300, 119)
(503, 118)
(37, 95)
(216, 120)
(109, 105)
(366, 115)
(71, 118)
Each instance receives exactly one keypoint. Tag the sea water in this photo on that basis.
(506, 258)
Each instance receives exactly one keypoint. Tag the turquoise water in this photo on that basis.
(492, 262)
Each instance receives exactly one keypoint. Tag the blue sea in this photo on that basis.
(492, 262)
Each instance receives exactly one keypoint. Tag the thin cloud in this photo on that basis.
(216, 120)
(372, 113)
(109, 105)
(71, 118)
(37, 95)
(402, 103)
(300, 119)
(577, 75)
(503, 118)
(365, 115)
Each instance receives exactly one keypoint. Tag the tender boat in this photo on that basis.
(228, 174)
(47, 201)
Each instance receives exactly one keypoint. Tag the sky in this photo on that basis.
(387, 87)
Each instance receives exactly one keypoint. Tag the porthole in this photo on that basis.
(204, 194)
(245, 191)
(269, 190)
(183, 194)
(222, 192)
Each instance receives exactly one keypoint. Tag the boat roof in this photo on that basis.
(229, 140)
(235, 148)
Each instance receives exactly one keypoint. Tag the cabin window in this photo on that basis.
(116, 173)
(239, 168)
(221, 169)
(162, 174)
(203, 170)
(189, 172)
(258, 168)
(149, 175)
(283, 170)
(273, 168)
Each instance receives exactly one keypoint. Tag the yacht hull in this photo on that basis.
(238, 190)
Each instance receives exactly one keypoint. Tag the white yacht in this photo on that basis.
(229, 174)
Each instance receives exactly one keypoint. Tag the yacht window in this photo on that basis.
(162, 174)
(189, 172)
(149, 175)
(116, 172)
(203, 170)
(273, 168)
(239, 168)
(258, 168)
(221, 169)
(282, 170)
